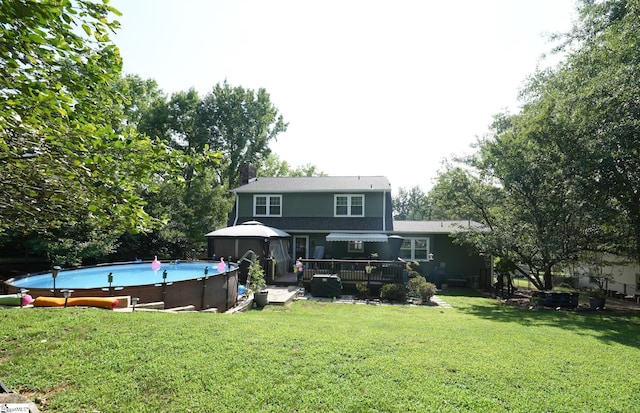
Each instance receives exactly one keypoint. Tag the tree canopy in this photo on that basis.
(240, 123)
(62, 161)
(411, 205)
(90, 157)
(215, 133)
(274, 166)
(559, 180)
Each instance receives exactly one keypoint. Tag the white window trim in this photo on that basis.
(413, 248)
(268, 206)
(349, 198)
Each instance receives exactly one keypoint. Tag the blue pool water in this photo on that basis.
(124, 275)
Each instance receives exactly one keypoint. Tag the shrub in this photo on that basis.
(426, 291)
(393, 292)
(413, 274)
(363, 289)
(419, 287)
(256, 276)
(413, 286)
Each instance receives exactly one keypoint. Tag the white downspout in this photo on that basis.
(384, 211)
(235, 220)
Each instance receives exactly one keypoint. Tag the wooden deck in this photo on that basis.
(372, 272)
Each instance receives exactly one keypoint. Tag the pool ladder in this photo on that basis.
(245, 255)
(244, 258)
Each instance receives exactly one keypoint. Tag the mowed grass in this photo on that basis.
(479, 356)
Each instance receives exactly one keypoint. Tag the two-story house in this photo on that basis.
(350, 218)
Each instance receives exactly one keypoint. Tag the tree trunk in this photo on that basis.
(533, 279)
(548, 279)
(536, 282)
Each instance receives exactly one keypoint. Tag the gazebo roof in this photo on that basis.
(249, 229)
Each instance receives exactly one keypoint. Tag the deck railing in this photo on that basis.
(352, 271)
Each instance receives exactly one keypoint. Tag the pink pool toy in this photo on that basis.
(222, 267)
(155, 264)
(26, 300)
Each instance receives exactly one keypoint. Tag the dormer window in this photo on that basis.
(346, 205)
(267, 205)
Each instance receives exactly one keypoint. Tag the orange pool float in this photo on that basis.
(100, 302)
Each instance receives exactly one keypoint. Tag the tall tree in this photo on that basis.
(139, 98)
(198, 203)
(521, 185)
(566, 167)
(461, 195)
(62, 161)
(274, 166)
(240, 123)
(188, 213)
(411, 205)
(597, 93)
(182, 119)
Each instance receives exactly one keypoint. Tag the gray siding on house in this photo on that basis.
(310, 204)
(315, 224)
(314, 211)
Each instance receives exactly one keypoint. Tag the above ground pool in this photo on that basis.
(203, 284)
(123, 275)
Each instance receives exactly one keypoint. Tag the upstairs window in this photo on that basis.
(349, 205)
(267, 205)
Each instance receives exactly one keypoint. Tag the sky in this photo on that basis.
(368, 87)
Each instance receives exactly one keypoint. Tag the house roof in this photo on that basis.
(350, 236)
(434, 227)
(315, 184)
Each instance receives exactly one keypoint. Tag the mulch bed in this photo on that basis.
(522, 299)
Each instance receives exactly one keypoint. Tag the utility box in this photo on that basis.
(326, 285)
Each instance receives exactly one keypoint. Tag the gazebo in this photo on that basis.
(270, 244)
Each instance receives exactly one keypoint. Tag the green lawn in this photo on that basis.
(325, 357)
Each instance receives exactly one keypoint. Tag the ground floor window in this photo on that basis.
(355, 246)
(415, 249)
